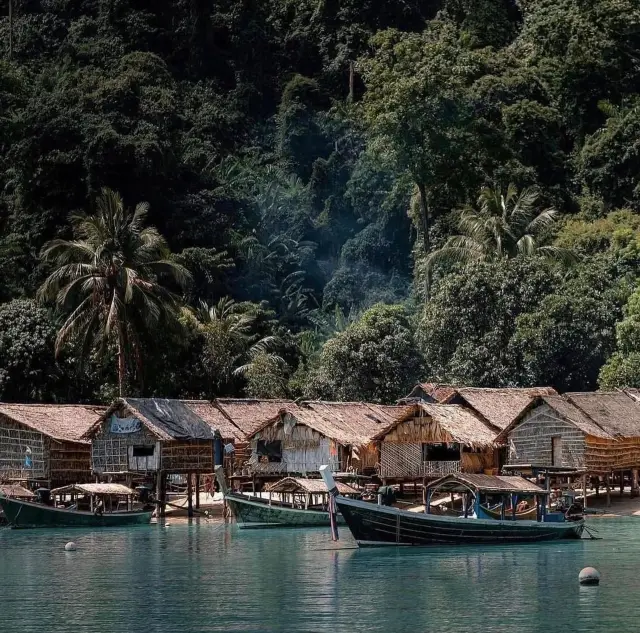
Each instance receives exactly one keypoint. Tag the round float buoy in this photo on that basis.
(589, 576)
(70, 547)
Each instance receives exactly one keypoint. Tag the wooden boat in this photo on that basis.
(375, 525)
(15, 491)
(300, 503)
(30, 514)
(530, 514)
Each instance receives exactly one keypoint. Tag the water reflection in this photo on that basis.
(212, 577)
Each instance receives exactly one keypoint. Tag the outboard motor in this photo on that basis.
(44, 496)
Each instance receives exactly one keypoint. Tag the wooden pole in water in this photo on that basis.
(197, 491)
(584, 490)
(189, 495)
(608, 487)
(634, 482)
(621, 482)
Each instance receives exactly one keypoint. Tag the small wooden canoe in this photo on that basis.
(527, 515)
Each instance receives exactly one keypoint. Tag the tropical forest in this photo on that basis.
(317, 199)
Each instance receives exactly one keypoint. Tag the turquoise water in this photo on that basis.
(212, 577)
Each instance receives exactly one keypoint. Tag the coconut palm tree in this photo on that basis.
(502, 226)
(232, 348)
(112, 281)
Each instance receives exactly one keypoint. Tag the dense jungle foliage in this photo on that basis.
(317, 198)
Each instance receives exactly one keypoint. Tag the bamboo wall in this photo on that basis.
(184, 457)
(531, 441)
(110, 451)
(69, 463)
(303, 450)
(603, 456)
(401, 452)
(15, 439)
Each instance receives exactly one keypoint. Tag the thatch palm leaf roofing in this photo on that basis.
(249, 414)
(615, 412)
(315, 486)
(348, 423)
(462, 425)
(457, 482)
(63, 422)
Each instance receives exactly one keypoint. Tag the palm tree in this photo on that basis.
(503, 226)
(110, 280)
(232, 347)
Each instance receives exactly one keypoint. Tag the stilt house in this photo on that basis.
(598, 432)
(300, 439)
(498, 407)
(137, 435)
(43, 443)
(432, 440)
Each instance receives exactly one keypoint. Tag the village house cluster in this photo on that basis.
(434, 431)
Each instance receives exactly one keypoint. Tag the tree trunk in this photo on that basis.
(351, 81)
(424, 217)
(121, 363)
(10, 29)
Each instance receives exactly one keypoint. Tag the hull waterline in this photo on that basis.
(373, 525)
(25, 514)
(252, 514)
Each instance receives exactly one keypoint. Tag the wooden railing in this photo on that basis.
(440, 468)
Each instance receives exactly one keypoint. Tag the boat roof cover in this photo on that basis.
(461, 482)
(298, 484)
(96, 489)
(173, 417)
(16, 490)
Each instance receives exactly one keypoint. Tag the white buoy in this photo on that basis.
(589, 576)
(70, 547)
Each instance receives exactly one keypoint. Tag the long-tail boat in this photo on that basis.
(101, 513)
(291, 502)
(377, 525)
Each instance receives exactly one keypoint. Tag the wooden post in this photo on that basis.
(189, 495)
(621, 482)
(634, 483)
(608, 487)
(197, 491)
(163, 493)
(584, 490)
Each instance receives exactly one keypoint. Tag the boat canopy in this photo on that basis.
(95, 489)
(492, 484)
(540, 469)
(16, 490)
(313, 486)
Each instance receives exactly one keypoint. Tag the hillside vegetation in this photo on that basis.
(317, 198)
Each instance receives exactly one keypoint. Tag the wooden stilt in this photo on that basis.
(584, 491)
(634, 483)
(159, 493)
(608, 487)
(621, 482)
(189, 495)
(197, 491)
(163, 493)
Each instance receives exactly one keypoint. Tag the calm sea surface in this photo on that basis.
(212, 577)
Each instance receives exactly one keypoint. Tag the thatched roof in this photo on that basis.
(210, 413)
(565, 410)
(458, 482)
(63, 422)
(249, 414)
(615, 412)
(348, 423)
(167, 419)
(499, 407)
(95, 489)
(298, 484)
(432, 391)
(16, 490)
(461, 424)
